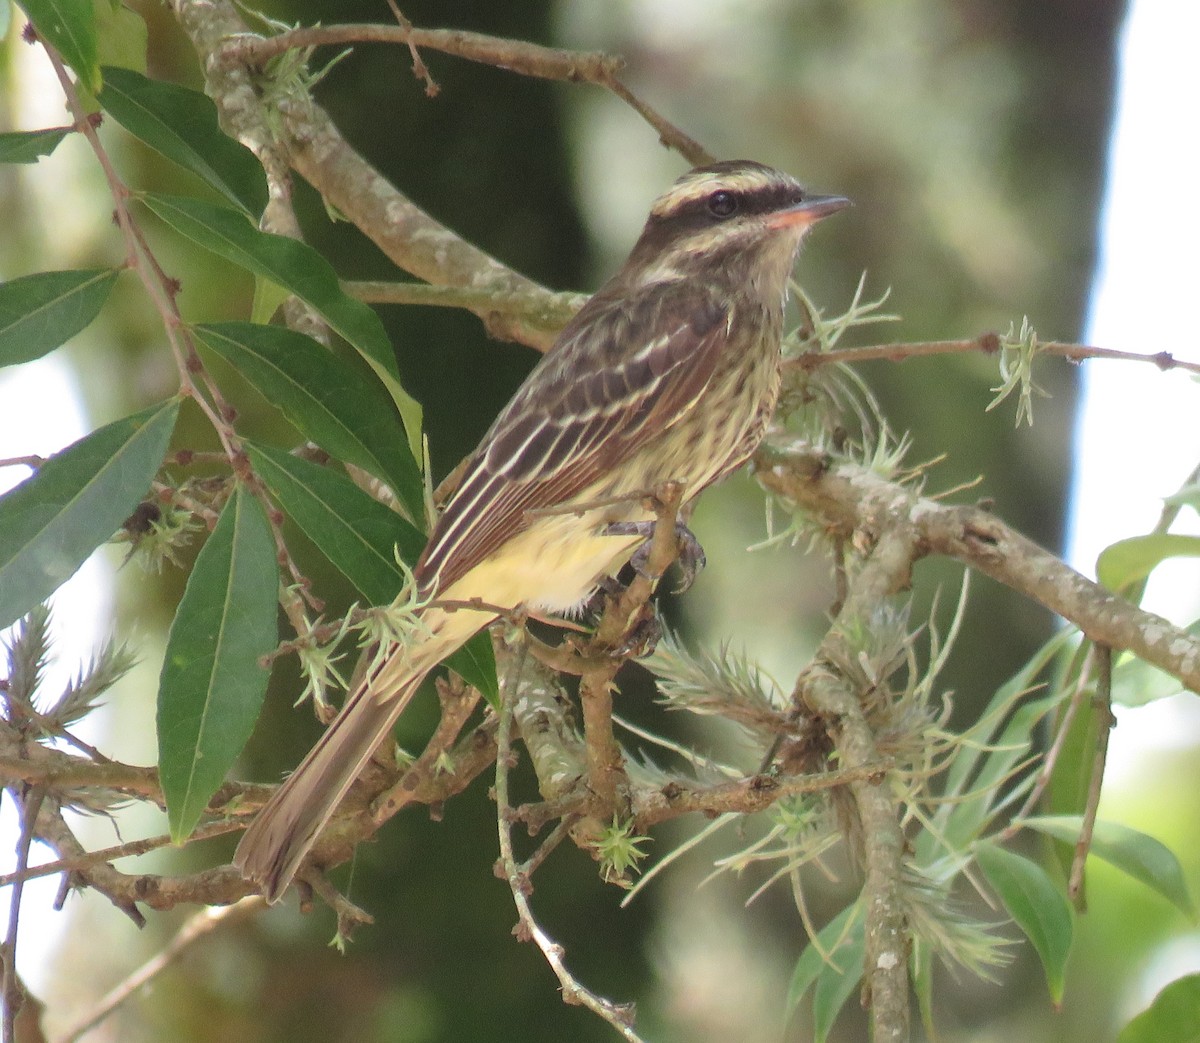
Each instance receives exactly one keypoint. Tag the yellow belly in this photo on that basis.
(552, 566)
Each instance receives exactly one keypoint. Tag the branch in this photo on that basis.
(63, 772)
(849, 499)
(28, 805)
(825, 692)
(442, 760)
(314, 148)
(988, 344)
(543, 716)
(443, 770)
(220, 886)
(619, 1016)
(501, 314)
(888, 943)
(108, 854)
(350, 185)
(745, 796)
(519, 56)
(623, 615)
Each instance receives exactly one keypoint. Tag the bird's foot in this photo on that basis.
(691, 557)
(642, 637)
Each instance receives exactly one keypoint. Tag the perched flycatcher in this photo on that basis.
(669, 373)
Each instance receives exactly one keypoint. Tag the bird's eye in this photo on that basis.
(722, 204)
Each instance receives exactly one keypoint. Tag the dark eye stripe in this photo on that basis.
(763, 199)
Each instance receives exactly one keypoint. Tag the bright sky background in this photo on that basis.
(1134, 444)
(41, 411)
(1138, 434)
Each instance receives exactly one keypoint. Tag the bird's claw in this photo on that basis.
(641, 639)
(691, 557)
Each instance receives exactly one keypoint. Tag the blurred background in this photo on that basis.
(973, 137)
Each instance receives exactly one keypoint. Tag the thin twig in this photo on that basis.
(607, 779)
(669, 134)
(458, 702)
(13, 994)
(33, 462)
(544, 849)
(199, 926)
(349, 916)
(432, 90)
(1050, 759)
(1102, 705)
(619, 1016)
(519, 56)
(109, 854)
(989, 344)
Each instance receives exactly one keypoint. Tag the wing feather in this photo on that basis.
(587, 408)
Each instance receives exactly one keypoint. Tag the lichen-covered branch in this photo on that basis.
(825, 692)
(302, 132)
(848, 499)
(315, 149)
(888, 941)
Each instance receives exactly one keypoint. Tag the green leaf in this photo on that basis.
(40, 312)
(357, 533)
(267, 300)
(1074, 767)
(922, 981)
(835, 937)
(1136, 683)
(1036, 905)
(837, 982)
(1140, 856)
(998, 743)
(121, 37)
(212, 686)
(325, 399)
(28, 146)
(475, 663)
(69, 26)
(51, 522)
(182, 125)
(300, 270)
(1173, 1017)
(1128, 561)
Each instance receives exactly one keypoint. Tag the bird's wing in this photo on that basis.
(585, 410)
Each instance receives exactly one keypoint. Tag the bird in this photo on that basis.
(669, 373)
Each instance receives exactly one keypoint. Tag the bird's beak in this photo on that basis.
(808, 213)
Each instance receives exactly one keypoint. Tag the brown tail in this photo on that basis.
(280, 837)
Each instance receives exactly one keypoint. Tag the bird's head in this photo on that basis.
(738, 218)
